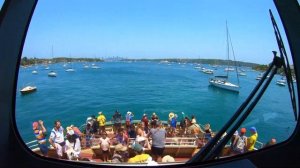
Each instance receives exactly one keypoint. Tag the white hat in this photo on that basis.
(153, 114)
(128, 112)
(168, 158)
(70, 132)
(100, 112)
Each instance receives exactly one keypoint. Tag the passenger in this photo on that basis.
(120, 154)
(121, 137)
(88, 134)
(240, 142)
(40, 134)
(76, 130)
(73, 147)
(193, 120)
(158, 141)
(173, 125)
(252, 139)
(271, 142)
(140, 156)
(57, 140)
(102, 120)
(234, 136)
(117, 120)
(94, 125)
(144, 128)
(207, 133)
(129, 118)
(142, 140)
(167, 159)
(154, 117)
(131, 131)
(145, 121)
(105, 146)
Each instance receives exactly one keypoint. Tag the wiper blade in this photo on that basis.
(286, 65)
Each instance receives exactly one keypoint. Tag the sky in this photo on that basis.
(152, 29)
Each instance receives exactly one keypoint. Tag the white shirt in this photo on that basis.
(76, 149)
(57, 135)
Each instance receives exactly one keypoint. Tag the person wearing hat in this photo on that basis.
(239, 144)
(120, 154)
(154, 117)
(129, 118)
(140, 156)
(73, 147)
(40, 134)
(101, 119)
(252, 139)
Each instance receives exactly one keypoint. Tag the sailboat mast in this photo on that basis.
(227, 50)
(237, 75)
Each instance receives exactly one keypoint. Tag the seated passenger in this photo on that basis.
(73, 147)
(121, 137)
(120, 154)
(140, 157)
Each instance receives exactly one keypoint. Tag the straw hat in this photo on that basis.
(120, 147)
(171, 115)
(168, 158)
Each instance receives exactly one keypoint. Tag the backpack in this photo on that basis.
(240, 145)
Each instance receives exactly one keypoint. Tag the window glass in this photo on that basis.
(140, 81)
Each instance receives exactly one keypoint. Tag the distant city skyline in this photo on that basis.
(152, 29)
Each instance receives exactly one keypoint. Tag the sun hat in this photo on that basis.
(70, 132)
(120, 147)
(243, 130)
(128, 112)
(35, 125)
(144, 114)
(100, 112)
(168, 158)
(253, 129)
(154, 114)
(171, 115)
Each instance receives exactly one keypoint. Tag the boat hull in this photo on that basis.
(28, 90)
(224, 85)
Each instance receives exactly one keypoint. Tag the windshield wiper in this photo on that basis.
(286, 65)
(214, 147)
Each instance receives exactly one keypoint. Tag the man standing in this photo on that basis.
(101, 119)
(57, 139)
(117, 119)
(158, 135)
(40, 134)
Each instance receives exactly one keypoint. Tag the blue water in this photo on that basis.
(147, 87)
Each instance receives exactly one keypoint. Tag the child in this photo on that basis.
(104, 144)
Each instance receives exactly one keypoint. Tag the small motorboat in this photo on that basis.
(28, 89)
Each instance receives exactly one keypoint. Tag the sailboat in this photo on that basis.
(52, 73)
(222, 81)
(35, 70)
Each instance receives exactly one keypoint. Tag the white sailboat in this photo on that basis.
(52, 73)
(222, 81)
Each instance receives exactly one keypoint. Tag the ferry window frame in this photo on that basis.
(10, 116)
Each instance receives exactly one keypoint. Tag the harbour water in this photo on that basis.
(146, 87)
